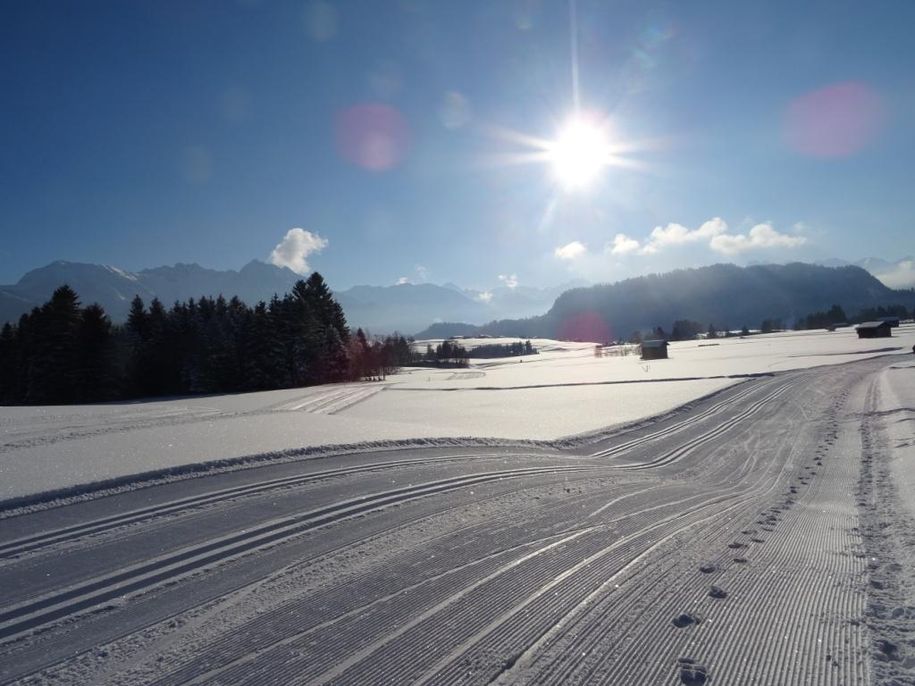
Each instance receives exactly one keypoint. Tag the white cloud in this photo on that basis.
(622, 244)
(760, 236)
(570, 251)
(294, 249)
(484, 296)
(677, 234)
(900, 274)
(510, 280)
(403, 280)
(421, 272)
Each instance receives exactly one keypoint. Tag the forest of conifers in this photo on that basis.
(63, 352)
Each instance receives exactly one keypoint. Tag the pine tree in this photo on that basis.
(95, 375)
(138, 320)
(262, 356)
(327, 309)
(9, 365)
(51, 360)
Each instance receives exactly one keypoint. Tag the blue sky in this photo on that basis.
(140, 134)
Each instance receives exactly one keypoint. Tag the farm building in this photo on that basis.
(892, 321)
(654, 350)
(874, 330)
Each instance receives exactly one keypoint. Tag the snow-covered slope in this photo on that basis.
(561, 391)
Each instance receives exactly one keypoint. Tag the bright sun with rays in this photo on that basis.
(579, 154)
(584, 148)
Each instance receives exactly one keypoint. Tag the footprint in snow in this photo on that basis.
(888, 651)
(716, 592)
(685, 619)
(692, 673)
(707, 569)
(736, 546)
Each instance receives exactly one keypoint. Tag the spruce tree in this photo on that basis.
(95, 370)
(51, 360)
(9, 365)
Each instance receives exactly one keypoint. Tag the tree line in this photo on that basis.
(685, 329)
(446, 354)
(62, 352)
(682, 330)
(836, 315)
(514, 349)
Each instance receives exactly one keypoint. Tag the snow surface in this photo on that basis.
(897, 385)
(887, 518)
(563, 390)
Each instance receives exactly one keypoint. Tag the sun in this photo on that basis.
(579, 154)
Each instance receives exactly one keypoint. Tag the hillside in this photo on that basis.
(725, 295)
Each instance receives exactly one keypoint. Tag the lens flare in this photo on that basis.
(373, 136)
(837, 121)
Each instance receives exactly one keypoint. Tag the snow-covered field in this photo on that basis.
(562, 391)
(759, 535)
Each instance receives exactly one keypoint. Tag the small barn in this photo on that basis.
(892, 321)
(654, 350)
(874, 330)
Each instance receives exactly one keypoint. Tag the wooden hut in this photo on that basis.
(879, 329)
(654, 350)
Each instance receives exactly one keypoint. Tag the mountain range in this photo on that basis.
(898, 274)
(720, 294)
(406, 308)
(724, 295)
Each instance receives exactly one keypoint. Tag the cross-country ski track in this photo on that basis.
(737, 540)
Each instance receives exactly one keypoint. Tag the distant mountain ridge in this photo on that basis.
(114, 288)
(725, 295)
(405, 308)
(895, 274)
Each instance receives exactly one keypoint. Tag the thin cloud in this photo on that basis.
(760, 236)
(509, 280)
(570, 251)
(677, 234)
(623, 244)
(293, 251)
(899, 275)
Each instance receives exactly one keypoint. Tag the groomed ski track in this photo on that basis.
(720, 544)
